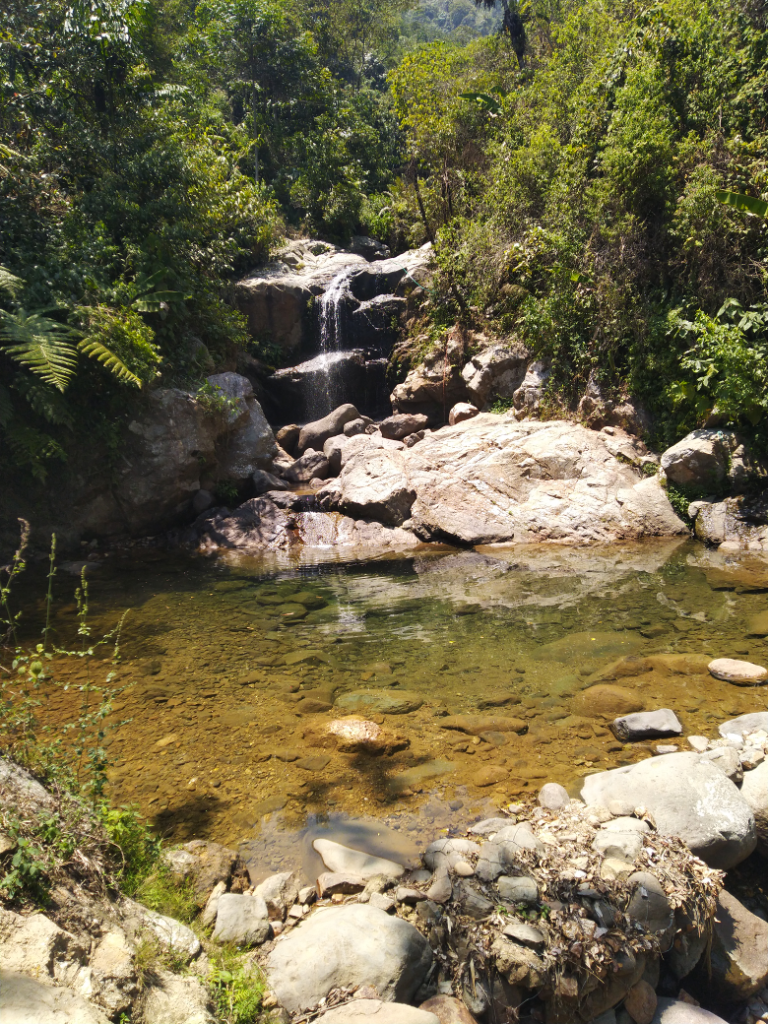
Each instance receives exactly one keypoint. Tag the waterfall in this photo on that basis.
(331, 338)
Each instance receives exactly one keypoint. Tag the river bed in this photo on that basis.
(230, 665)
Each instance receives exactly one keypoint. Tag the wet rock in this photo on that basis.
(356, 427)
(314, 435)
(243, 920)
(316, 762)
(264, 482)
(646, 725)
(739, 958)
(26, 1000)
(491, 479)
(342, 859)
(518, 889)
(356, 736)
(448, 1010)
(401, 425)
(462, 411)
(374, 1011)
(553, 797)
(312, 464)
(348, 947)
(675, 1011)
(476, 725)
(490, 775)
(339, 883)
(171, 999)
(381, 702)
(279, 892)
(640, 1003)
(742, 673)
(754, 789)
(606, 701)
(688, 797)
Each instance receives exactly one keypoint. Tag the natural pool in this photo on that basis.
(229, 666)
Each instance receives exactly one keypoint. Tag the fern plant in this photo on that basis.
(40, 344)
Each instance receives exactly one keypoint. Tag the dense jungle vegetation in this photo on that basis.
(564, 156)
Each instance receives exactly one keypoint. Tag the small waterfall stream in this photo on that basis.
(331, 338)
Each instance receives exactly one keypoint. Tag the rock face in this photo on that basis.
(492, 479)
(25, 1000)
(348, 947)
(527, 398)
(495, 372)
(688, 797)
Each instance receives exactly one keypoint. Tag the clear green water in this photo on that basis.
(237, 660)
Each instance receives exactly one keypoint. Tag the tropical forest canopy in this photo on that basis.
(564, 157)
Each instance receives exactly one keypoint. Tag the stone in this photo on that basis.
(497, 371)
(263, 482)
(171, 934)
(212, 863)
(500, 855)
(342, 859)
(476, 725)
(174, 999)
(646, 725)
(381, 702)
(518, 964)
(518, 889)
(757, 625)
(648, 904)
(401, 425)
(374, 1011)
(113, 982)
(640, 1003)
(553, 796)
(754, 789)
(698, 743)
(616, 869)
(448, 852)
(527, 398)
(441, 889)
(279, 892)
(382, 901)
(448, 1010)
(606, 701)
(688, 797)
(744, 724)
(700, 459)
(314, 435)
(241, 919)
(202, 501)
(676, 1011)
(524, 934)
(728, 761)
(310, 465)
(462, 411)
(208, 917)
(472, 902)
(348, 947)
(739, 957)
(491, 479)
(339, 883)
(489, 826)
(287, 437)
(742, 673)
(355, 735)
(355, 427)
(26, 1000)
(489, 775)
(624, 843)
(35, 945)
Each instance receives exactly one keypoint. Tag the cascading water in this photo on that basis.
(331, 338)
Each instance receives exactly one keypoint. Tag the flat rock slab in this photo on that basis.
(688, 797)
(348, 947)
(742, 673)
(647, 725)
(344, 860)
(374, 1011)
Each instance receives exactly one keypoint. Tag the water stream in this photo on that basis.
(331, 322)
(232, 666)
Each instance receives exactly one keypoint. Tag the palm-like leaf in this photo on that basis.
(96, 350)
(9, 283)
(747, 204)
(40, 344)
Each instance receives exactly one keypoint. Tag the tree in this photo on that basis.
(513, 23)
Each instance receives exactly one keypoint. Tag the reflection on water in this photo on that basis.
(234, 663)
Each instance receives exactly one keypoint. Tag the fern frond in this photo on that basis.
(40, 344)
(9, 283)
(96, 350)
(6, 406)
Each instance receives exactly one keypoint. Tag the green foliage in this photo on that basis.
(237, 987)
(139, 849)
(40, 344)
(121, 341)
(748, 204)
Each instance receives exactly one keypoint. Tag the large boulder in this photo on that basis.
(688, 797)
(707, 458)
(740, 522)
(754, 789)
(599, 409)
(346, 948)
(492, 479)
(248, 441)
(314, 435)
(528, 396)
(738, 961)
(495, 372)
(436, 384)
(25, 1000)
